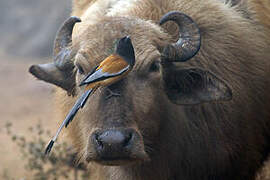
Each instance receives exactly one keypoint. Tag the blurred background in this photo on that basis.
(28, 27)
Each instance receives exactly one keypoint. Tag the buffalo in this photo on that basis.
(196, 104)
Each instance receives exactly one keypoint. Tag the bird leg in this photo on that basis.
(111, 93)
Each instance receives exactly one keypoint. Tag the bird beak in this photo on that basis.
(82, 83)
(127, 38)
(86, 77)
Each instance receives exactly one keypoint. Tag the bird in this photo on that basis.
(112, 69)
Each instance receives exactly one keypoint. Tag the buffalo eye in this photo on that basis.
(154, 67)
(80, 68)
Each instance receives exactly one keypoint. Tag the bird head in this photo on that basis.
(124, 48)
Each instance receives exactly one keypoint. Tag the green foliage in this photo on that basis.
(60, 164)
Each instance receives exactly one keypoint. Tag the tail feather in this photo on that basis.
(79, 104)
(49, 147)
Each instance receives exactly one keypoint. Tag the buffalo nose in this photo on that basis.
(113, 138)
(112, 141)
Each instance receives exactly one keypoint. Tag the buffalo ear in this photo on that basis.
(52, 74)
(194, 86)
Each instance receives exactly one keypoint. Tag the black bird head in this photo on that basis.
(124, 48)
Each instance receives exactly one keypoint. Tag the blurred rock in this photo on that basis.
(28, 27)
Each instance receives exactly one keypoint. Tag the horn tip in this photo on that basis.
(76, 19)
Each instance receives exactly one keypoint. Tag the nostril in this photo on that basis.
(127, 139)
(98, 141)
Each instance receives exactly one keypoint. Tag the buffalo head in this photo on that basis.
(126, 128)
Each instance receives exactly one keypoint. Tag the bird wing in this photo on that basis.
(110, 67)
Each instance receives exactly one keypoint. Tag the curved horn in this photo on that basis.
(60, 72)
(64, 34)
(189, 41)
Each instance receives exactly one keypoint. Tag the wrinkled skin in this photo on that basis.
(208, 136)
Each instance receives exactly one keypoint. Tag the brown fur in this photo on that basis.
(219, 140)
(261, 9)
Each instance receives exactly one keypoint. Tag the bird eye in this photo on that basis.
(80, 69)
(154, 66)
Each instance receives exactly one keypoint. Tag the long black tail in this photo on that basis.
(79, 104)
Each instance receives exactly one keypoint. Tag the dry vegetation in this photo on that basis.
(24, 102)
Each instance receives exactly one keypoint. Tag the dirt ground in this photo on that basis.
(25, 101)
